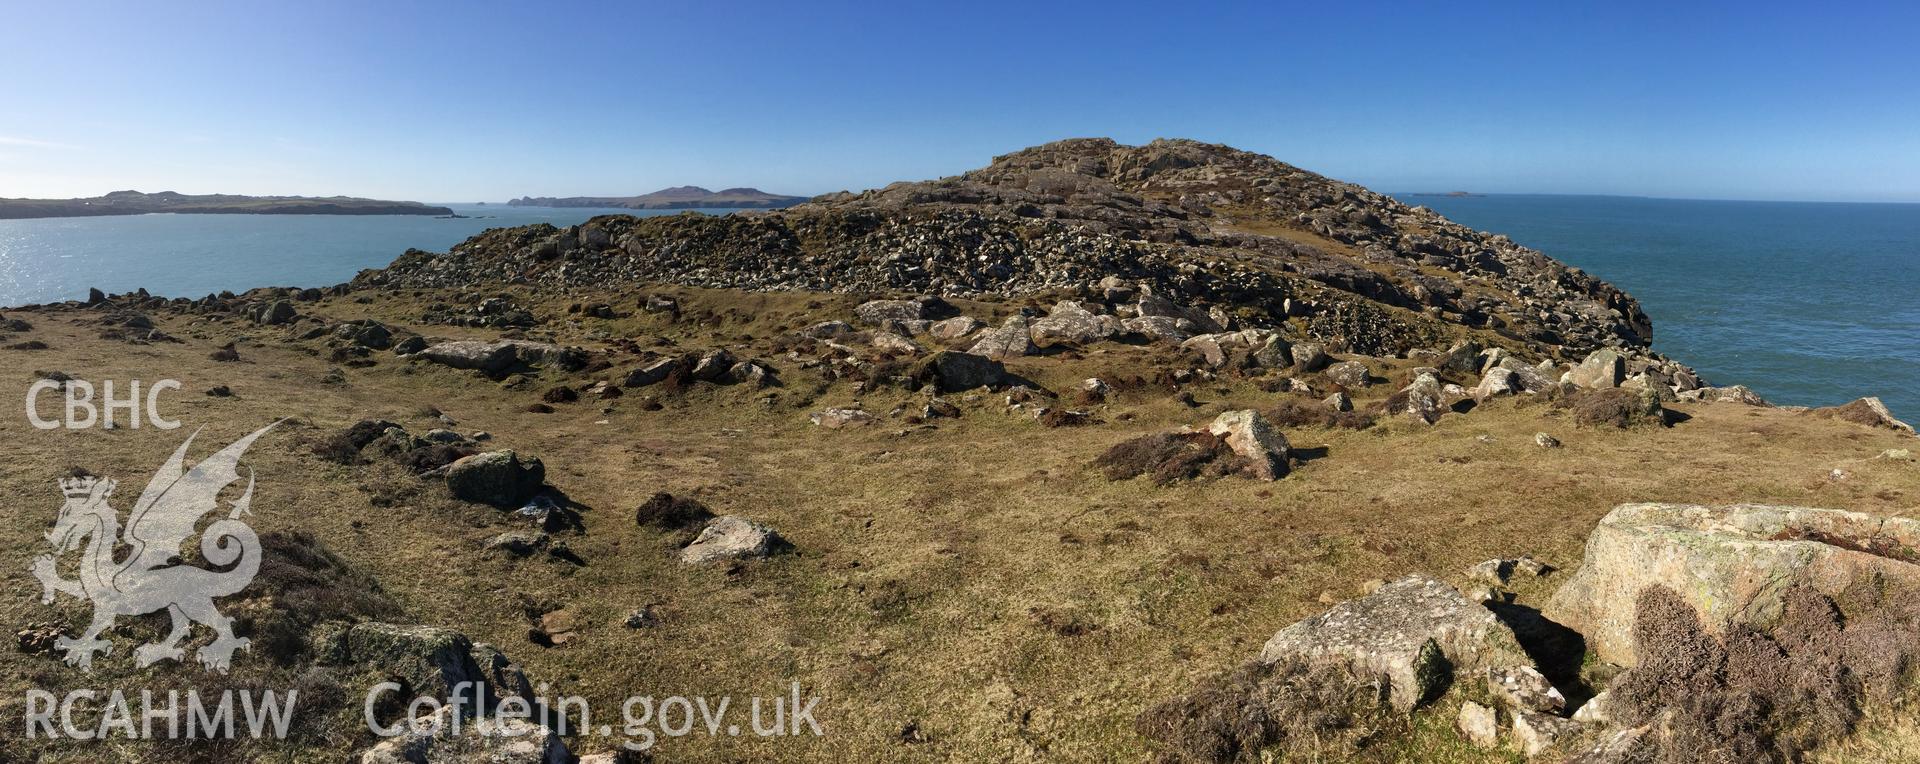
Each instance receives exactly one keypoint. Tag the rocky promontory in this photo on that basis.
(1201, 224)
(137, 203)
(675, 198)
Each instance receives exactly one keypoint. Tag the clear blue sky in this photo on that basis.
(486, 101)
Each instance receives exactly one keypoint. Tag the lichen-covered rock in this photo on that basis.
(1497, 381)
(1012, 339)
(1529, 378)
(1411, 634)
(1253, 438)
(503, 355)
(1352, 375)
(1479, 724)
(1169, 328)
(500, 478)
(1524, 688)
(1310, 356)
(1602, 368)
(440, 738)
(430, 661)
(834, 419)
(1424, 402)
(731, 537)
(1732, 563)
(1073, 323)
(879, 312)
(1534, 733)
(950, 329)
(1728, 394)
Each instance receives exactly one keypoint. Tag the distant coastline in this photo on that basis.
(137, 203)
(676, 198)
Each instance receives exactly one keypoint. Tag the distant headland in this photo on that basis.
(676, 198)
(137, 203)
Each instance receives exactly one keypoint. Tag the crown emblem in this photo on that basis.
(82, 487)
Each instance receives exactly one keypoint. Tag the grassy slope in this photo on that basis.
(932, 569)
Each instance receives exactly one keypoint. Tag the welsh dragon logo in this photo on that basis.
(151, 576)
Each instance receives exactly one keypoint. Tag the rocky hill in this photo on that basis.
(675, 198)
(1200, 223)
(137, 203)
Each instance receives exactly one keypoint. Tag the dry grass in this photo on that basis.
(931, 571)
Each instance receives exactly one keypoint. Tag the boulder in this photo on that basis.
(1011, 339)
(1424, 403)
(1339, 402)
(1651, 386)
(1529, 378)
(712, 366)
(518, 543)
(1730, 394)
(502, 356)
(1168, 328)
(430, 661)
(1462, 358)
(651, 373)
(500, 478)
(951, 329)
(1409, 634)
(731, 537)
(275, 313)
(369, 333)
(953, 371)
(750, 373)
(1732, 563)
(1544, 440)
(1602, 368)
(1310, 356)
(834, 419)
(1352, 375)
(879, 312)
(894, 343)
(826, 330)
(1252, 438)
(1497, 381)
(1208, 348)
(1072, 323)
(1867, 411)
(410, 345)
(441, 738)
(1275, 353)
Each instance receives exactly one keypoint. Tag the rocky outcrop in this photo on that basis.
(1731, 563)
(1865, 411)
(1188, 223)
(1412, 634)
(502, 356)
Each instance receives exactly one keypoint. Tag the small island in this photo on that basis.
(676, 198)
(137, 203)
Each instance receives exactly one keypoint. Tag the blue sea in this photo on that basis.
(52, 259)
(1808, 303)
